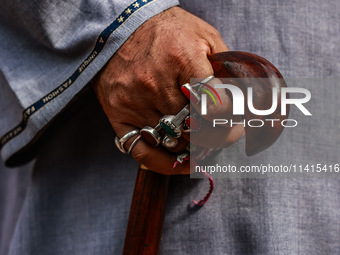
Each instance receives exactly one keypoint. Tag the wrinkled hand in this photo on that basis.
(141, 82)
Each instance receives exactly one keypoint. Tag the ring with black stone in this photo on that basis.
(172, 124)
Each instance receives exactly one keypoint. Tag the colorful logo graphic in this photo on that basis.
(202, 85)
(243, 103)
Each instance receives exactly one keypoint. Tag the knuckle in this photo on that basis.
(216, 33)
(178, 57)
(213, 32)
(147, 81)
(122, 98)
(204, 46)
(140, 155)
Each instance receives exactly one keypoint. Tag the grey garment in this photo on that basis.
(13, 189)
(271, 216)
(49, 51)
(79, 197)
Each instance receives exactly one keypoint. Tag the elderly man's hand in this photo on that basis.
(141, 82)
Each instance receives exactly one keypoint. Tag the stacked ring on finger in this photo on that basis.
(191, 93)
(173, 125)
(120, 142)
(151, 135)
(133, 144)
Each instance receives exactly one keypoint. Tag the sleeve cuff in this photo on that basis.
(39, 114)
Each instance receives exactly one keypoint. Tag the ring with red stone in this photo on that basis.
(151, 135)
(191, 93)
(191, 123)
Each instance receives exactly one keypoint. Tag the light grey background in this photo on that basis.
(80, 192)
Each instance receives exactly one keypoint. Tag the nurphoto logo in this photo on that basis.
(238, 104)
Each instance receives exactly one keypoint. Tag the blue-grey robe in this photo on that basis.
(80, 189)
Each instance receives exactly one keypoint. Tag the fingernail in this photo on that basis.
(190, 93)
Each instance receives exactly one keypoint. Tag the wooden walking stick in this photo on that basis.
(147, 212)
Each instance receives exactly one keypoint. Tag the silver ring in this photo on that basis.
(172, 124)
(169, 142)
(206, 80)
(194, 96)
(151, 135)
(120, 142)
(134, 143)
